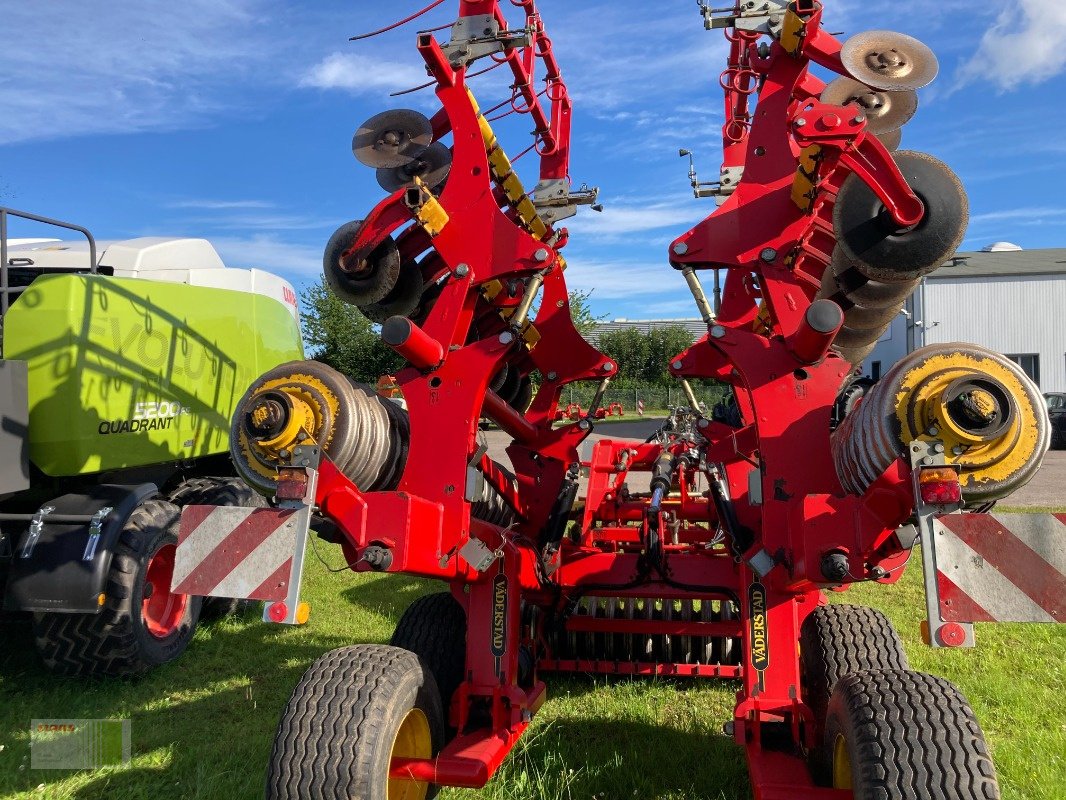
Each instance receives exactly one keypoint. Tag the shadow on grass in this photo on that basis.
(201, 727)
(389, 594)
(610, 760)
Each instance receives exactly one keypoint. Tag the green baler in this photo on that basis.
(117, 385)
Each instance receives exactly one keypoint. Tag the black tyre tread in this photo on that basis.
(434, 628)
(910, 735)
(107, 643)
(219, 492)
(329, 740)
(839, 640)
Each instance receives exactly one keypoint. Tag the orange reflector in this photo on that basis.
(292, 483)
(303, 613)
(937, 475)
(101, 599)
(939, 486)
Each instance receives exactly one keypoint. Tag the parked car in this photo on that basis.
(1056, 406)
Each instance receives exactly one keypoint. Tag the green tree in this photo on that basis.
(645, 357)
(664, 344)
(338, 335)
(629, 349)
(584, 320)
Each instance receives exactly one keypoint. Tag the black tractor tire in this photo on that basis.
(337, 733)
(219, 492)
(434, 628)
(117, 640)
(836, 641)
(896, 733)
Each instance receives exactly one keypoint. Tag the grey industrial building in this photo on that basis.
(1009, 300)
(697, 327)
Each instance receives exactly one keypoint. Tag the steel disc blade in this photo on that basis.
(432, 166)
(392, 138)
(885, 111)
(878, 248)
(891, 140)
(889, 60)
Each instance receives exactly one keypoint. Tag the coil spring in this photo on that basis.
(365, 435)
(924, 396)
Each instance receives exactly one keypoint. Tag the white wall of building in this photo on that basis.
(890, 348)
(1010, 315)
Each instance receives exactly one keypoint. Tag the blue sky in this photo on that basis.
(232, 120)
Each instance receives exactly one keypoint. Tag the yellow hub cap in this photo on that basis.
(841, 764)
(305, 394)
(413, 740)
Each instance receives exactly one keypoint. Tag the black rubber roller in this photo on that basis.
(867, 319)
(860, 290)
(878, 247)
(402, 301)
(374, 282)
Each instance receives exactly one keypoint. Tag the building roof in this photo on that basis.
(1009, 263)
(697, 327)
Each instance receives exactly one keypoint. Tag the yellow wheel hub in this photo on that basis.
(929, 398)
(841, 764)
(305, 395)
(413, 740)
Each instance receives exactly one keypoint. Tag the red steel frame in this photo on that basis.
(775, 237)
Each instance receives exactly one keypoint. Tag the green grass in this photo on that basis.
(202, 727)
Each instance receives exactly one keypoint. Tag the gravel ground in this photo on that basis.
(1048, 488)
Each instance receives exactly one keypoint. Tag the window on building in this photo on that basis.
(875, 371)
(1030, 364)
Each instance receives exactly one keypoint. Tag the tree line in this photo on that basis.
(338, 335)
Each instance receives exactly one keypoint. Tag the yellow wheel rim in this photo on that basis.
(921, 403)
(262, 457)
(413, 740)
(841, 764)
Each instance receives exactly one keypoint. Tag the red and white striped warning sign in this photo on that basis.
(640, 407)
(237, 552)
(1001, 567)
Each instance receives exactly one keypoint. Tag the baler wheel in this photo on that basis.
(353, 710)
(434, 628)
(219, 492)
(141, 624)
(369, 286)
(841, 640)
(896, 733)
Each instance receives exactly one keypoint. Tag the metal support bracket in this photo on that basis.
(554, 201)
(940, 632)
(479, 36)
(96, 528)
(762, 16)
(36, 526)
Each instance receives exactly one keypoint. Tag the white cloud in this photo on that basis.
(1023, 46)
(626, 280)
(1025, 215)
(219, 205)
(621, 219)
(72, 68)
(360, 74)
(270, 253)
